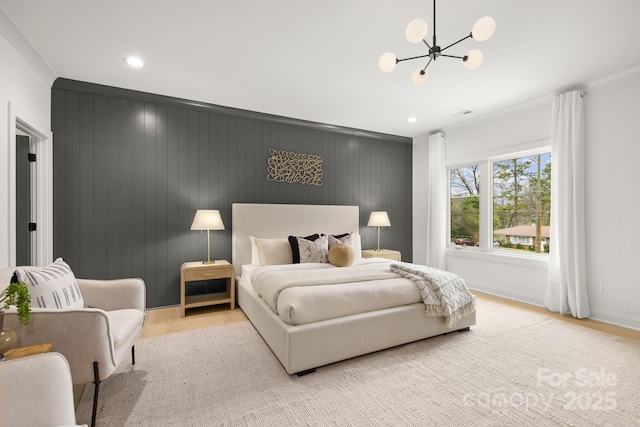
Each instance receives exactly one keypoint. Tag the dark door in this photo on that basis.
(23, 201)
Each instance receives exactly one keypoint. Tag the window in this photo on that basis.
(514, 216)
(465, 205)
(522, 203)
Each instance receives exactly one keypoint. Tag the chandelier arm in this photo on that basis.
(451, 56)
(425, 42)
(414, 57)
(453, 44)
(425, 67)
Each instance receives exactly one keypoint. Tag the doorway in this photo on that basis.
(25, 198)
(30, 205)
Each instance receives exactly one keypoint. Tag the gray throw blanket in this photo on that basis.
(443, 293)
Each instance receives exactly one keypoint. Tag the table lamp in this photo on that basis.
(207, 220)
(379, 219)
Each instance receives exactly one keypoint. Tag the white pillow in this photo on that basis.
(255, 255)
(357, 247)
(274, 251)
(54, 286)
(314, 250)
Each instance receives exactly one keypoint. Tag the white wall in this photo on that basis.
(25, 97)
(612, 201)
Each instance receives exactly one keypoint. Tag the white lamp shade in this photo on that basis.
(418, 78)
(379, 219)
(483, 29)
(416, 30)
(207, 220)
(474, 59)
(387, 62)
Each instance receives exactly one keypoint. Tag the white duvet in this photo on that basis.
(306, 293)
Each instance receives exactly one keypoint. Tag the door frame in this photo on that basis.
(42, 199)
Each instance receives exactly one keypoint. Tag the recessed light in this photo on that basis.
(411, 119)
(134, 61)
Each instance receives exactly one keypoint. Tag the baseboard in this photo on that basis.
(505, 293)
(626, 321)
(604, 316)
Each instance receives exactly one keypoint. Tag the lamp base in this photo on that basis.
(208, 262)
(378, 250)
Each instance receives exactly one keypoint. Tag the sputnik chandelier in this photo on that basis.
(417, 31)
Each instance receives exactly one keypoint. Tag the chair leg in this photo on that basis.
(96, 377)
(133, 355)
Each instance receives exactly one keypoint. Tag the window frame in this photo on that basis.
(485, 161)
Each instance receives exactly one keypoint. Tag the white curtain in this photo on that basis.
(567, 281)
(436, 203)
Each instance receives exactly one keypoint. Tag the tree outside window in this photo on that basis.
(465, 205)
(522, 202)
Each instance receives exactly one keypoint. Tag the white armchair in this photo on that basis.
(94, 339)
(36, 391)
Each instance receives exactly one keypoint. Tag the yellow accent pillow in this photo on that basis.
(341, 255)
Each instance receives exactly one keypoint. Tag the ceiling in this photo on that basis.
(318, 60)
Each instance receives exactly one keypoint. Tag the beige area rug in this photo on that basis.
(512, 369)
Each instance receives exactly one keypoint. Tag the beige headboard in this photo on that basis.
(280, 221)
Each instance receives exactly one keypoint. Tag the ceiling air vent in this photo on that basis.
(462, 113)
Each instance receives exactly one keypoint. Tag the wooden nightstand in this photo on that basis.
(192, 271)
(383, 253)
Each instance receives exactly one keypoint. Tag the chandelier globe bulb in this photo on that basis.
(416, 30)
(472, 59)
(387, 62)
(419, 76)
(483, 29)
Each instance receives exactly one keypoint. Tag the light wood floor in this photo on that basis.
(166, 320)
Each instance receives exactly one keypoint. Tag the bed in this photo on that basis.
(302, 348)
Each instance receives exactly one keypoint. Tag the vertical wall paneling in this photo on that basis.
(131, 169)
(58, 114)
(100, 187)
(72, 178)
(113, 165)
(138, 196)
(174, 228)
(125, 222)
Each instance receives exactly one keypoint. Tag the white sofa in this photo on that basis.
(93, 339)
(36, 391)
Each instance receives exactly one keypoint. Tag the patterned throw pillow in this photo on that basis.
(54, 286)
(347, 238)
(295, 250)
(313, 251)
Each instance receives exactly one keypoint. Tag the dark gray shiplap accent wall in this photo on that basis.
(131, 169)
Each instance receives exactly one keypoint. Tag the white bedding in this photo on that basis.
(306, 293)
(304, 347)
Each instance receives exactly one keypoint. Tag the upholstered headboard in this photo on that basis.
(279, 221)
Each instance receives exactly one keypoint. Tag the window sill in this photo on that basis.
(498, 256)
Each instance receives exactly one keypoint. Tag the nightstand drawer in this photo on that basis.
(384, 253)
(206, 273)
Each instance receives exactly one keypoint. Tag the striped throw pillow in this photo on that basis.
(54, 286)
